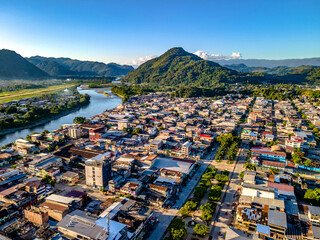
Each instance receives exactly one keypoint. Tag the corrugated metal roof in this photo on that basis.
(277, 218)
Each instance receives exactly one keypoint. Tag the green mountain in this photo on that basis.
(176, 67)
(78, 67)
(272, 63)
(14, 66)
(283, 74)
(54, 69)
(280, 70)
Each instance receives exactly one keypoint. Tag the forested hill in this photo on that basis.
(272, 63)
(54, 69)
(14, 66)
(282, 74)
(77, 67)
(176, 67)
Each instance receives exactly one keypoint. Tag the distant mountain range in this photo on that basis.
(282, 74)
(273, 71)
(76, 67)
(14, 66)
(272, 63)
(176, 67)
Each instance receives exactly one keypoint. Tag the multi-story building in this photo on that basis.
(186, 148)
(36, 215)
(265, 216)
(74, 132)
(98, 171)
(23, 146)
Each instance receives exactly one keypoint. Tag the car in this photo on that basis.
(226, 213)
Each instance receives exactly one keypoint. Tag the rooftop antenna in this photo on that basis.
(108, 222)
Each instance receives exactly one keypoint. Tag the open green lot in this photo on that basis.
(26, 93)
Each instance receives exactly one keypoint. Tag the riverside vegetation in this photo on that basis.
(29, 111)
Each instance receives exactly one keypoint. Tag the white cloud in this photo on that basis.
(206, 56)
(139, 61)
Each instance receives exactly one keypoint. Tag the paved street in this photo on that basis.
(222, 220)
(166, 216)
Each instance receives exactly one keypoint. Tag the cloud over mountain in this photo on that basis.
(206, 56)
(139, 61)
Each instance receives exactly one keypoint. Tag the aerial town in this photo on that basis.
(158, 167)
(160, 120)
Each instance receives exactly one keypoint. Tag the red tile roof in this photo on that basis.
(274, 164)
(281, 187)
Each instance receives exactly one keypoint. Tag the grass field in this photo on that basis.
(26, 93)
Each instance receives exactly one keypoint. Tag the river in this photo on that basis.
(98, 104)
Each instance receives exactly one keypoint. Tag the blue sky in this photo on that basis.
(122, 31)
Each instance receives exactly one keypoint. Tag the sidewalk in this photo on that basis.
(221, 221)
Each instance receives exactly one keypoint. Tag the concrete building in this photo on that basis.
(98, 171)
(122, 125)
(74, 132)
(36, 215)
(186, 148)
(79, 225)
(23, 146)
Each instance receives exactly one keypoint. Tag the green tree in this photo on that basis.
(206, 216)
(178, 234)
(207, 211)
(249, 166)
(200, 191)
(296, 158)
(208, 175)
(45, 132)
(215, 193)
(28, 138)
(136, 131)
(313, 195)
(273, 171)
(50, 148)
(205, 182)
(79, 120)
(221, 178)
(211, 169)
(191, 205)
(201, 230)
(184, 211)
(241, 175)
(307, 163)
(48, 180)
(177, 229)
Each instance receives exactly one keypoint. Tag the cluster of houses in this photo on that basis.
(284, 153)
(276, 130)
(268, 209)
(137, 156)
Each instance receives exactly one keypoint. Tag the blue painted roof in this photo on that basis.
(263, 229)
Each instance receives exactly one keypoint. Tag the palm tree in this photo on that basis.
(273, 171)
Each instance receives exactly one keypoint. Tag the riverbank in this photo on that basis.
(98, 104)
(44, 121)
